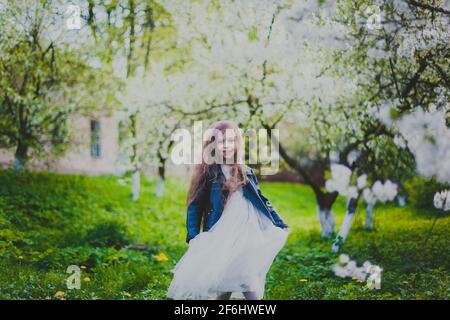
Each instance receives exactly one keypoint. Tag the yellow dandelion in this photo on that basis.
(161, 257)
(48, 298)
(303, 280)
(59, 294)
(87, 279)
(62, 299)
(20, 257)
(83, 267)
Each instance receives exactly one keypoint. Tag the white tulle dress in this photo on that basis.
(233, 256)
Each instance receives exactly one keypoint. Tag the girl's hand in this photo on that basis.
(286, 229)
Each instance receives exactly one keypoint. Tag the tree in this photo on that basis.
(403, 61)
(43, 83)
(399, 50)
(127, 36)
(262, 68)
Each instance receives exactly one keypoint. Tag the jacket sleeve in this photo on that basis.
(195, 212)
(276, 217)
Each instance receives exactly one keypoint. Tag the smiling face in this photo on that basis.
(223, 144)
(227, 145)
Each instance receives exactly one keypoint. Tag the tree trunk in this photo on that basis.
(136, 174)
(346, 225)
(136, 184)
(369, 216)
(401, 201)
(326, 218)
(325, 202)
(159, 191)
(21, 155)
(161, 180)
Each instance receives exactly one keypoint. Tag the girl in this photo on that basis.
(242, 233)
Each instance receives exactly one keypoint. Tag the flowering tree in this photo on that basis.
(127, 36)
(340, 181)
(262, 71)
(402, 61)
(39, 90)
(402, 58)
(399, 50)
(150, 97)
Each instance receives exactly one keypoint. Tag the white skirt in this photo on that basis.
(233, 256)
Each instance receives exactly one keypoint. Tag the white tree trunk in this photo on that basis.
(159, 187)
(326, 219)
(343, 231)
(346, 225)
(17, 164)
(136, 184)
(369, 215)
(401, 200)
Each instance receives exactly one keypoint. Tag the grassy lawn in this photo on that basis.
(49, 221)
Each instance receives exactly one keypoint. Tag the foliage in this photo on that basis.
(44, 82)
(400, 62)
(107, 234)
(403, 57)
(45, 218)
(421, 191)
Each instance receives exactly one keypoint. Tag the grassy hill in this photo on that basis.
(50, 221)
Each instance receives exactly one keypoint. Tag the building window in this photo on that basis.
(96, 148)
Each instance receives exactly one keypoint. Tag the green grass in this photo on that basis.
(49, 221)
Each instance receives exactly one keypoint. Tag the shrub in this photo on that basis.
(421, 191)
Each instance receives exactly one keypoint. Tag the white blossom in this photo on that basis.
(384, 192)
(361, 181)
(340, 182)
(353, 155)
(442, 200)
(369, 196)
(367, 272)
(400, 142)
(367, 266)
(340, 179)
(428, 138)
(344, 258)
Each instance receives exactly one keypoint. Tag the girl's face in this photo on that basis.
(226, 145)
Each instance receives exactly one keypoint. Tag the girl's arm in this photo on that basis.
(276, 217)
(195, 212)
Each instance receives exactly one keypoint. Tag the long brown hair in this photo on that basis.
(204, 169)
